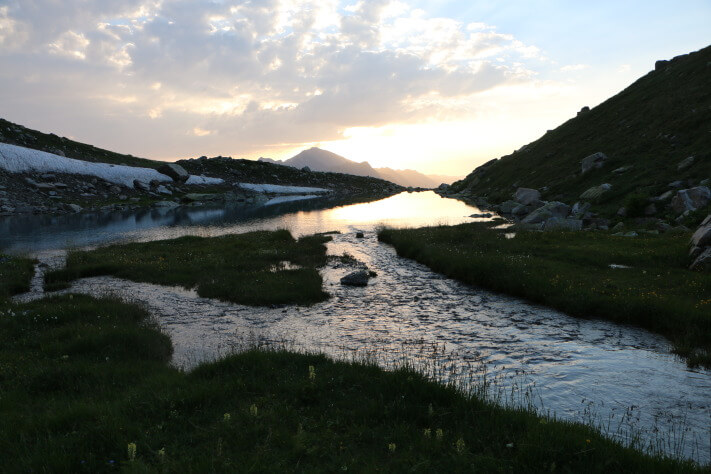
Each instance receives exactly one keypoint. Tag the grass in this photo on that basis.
(571, 272)
(652, 126)
(85, 387)
(256, 268)
(15, 275)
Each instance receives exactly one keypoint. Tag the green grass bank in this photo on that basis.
(85, 387)
(572, 272)
(256, 268)
(15, 275)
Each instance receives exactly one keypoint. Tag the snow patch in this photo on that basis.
(277, 189)
(17, 159)
(193, 179)
(283, 199)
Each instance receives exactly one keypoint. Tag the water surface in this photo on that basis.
(579, 369)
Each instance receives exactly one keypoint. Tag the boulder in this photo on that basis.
(580, 208)
(507, 207)
(702, 236)
(545, 212)
(174, 171)
(619, 227)
(703, 261)
(163, 190)
(140, 185)
(74, 207)
(359, 278)
(596, 191)
(664, 196)
(691, 199)
(527, 195)
(558, 223)
(685, 163)
(596, 160)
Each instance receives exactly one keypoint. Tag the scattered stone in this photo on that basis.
(580, 208)
(526, 196)
(359, 278)
(676, 184)
(306, 169)
(622, 212)
(163, 190)
(558, 223)
(703, 261)
(664, 196)
(166, 204)
(596, 191)
(44, 186)
(622, 169)
(140, 185)
(75, 207)
(619, 227)
(48, 177)
(685, 163)
(630, 234)
(114, 189)
(507, 207)
(545, 212)
(596, 160)
(123, 197)
(60, 186)
(691, 199)
(521, 210)
(650, 210)
(702, 236)
(175, 172)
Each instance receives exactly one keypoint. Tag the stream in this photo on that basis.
(622, 379)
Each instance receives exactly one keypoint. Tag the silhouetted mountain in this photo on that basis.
(321, 160)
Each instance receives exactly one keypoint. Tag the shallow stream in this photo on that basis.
(621, 378)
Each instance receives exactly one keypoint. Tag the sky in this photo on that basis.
(440, 86)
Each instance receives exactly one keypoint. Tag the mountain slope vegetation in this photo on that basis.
(646, 131)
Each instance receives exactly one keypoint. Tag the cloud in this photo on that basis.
(574, 67)
(247, 73)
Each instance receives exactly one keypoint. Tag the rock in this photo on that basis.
(703, 261)
(306, 169)
(619, 227)
(60, 186)
(44, 186)
(545, 212)
(691, 199)
(596, 191)
(664, 196)
(359, 278)
(558, 223)
(114, 189)
(695, 252)
(584, 110)
(507, 207)
(596, 160)
(31, 182)
(359, 235)
(175, 171)
(622, 212)
(140, 185)
(630, 234)
(521, 210)
(123, 197)
(484, 215)
(650, 210)
(443, 187)
(685, 163)
(580, 208)
(75, 207)
(167, 204)
(661, 65)
(676, 184)
(48, 177)
(622, 169)
(526, 196)
(163, 190)
(702, 236)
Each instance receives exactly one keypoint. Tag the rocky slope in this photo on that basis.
(44, 173)
(640, 159)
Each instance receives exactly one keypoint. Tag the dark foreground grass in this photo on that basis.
(256, 268)
(84, 385)
(571, 272)
(15, 275)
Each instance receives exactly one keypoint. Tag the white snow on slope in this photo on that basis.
(203, 180)
(277, 189)
(17, 159)
(283, 199)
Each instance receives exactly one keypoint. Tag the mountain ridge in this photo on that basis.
(318, 159)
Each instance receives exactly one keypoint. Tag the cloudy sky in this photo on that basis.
(440, 85)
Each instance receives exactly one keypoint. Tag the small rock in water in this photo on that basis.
(482, 216)
(359, 235)
(359, 278)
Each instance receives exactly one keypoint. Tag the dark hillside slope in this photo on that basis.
(15, 134)
(648, 128)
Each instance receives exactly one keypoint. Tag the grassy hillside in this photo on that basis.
(651, 126)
